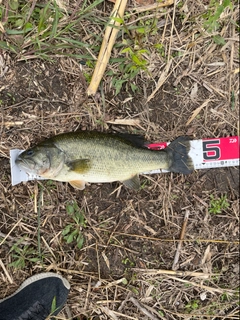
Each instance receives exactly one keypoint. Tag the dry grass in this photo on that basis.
(125, 268)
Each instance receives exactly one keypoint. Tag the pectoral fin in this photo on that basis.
(78, 184)
(132, 183)
(79, 165)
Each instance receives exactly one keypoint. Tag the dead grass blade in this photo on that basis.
(200, 275)
(127, 122)
(114, 314)
(142, 309)
(174, 240)
(207, 288)
(163, 77)
(6, 272)
(196, 111)
(3, 240)
(177, 254)
(153, 6)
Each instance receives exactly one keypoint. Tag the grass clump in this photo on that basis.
(42, 30)
(22, 254)
(72, 233)
(218, 205)
(212, 16)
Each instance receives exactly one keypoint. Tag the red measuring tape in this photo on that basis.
(210, 153)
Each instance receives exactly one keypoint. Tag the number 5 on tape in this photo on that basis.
(221, 152)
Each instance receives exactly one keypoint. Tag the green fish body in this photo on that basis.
(86, 156)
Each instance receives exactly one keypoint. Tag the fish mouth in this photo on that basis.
(26, 165)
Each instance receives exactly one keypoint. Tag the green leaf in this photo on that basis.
(19, 23)
(69, 238)
(117, 19)
(66, 230)
(14, 4)
(127, 50)
(6, 46)
(141, 30)
(69, 209)
(74, 233)
(136, 60)
(80, 242)
(133, 87)
(28, 27)
(54, 305)
(219, 40)
(14, 31)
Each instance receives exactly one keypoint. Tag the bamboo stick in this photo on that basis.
(107, 45)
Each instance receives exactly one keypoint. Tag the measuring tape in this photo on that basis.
(205, 154)
(208, 153)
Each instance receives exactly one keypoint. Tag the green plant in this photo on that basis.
(135, 52)
(51, 184)
(213, 14)
(161, 313)
(131, 65)
(23, 254)
(218, 205)
(192, 305)
(73, 231)
(224, 297)
(127, 262)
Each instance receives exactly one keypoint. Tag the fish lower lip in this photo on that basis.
(24, 164)
(19, 162)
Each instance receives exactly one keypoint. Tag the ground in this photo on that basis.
(129, 237)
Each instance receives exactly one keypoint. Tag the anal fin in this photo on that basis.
(132, 183)
(78, 184)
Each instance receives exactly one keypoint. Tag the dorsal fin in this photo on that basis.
(136, 140)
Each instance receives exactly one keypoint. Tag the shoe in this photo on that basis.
(38, 297)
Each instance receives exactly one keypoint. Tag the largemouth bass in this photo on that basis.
(88, 156)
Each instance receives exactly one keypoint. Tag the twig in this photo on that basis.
(109, 313)
(31, 10)
(116, 233)
(210, 289)
(153, 6)
(177, 254)
(3, 235)
(196, 111)
(3, 240)
(12, 123)
(145, 311)
(201, 275)
(6, 272)
(163, 77)
(107, 45)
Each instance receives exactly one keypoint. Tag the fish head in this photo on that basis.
(44, 160)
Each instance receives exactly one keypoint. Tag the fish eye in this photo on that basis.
(29, 152)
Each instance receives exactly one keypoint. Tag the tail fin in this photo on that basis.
(178, 154)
